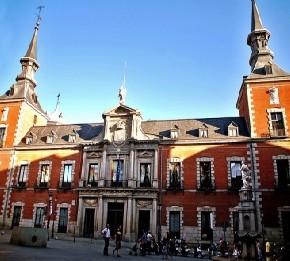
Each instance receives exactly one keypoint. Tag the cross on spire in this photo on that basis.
(38, 15)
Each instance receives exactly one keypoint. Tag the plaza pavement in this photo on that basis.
(68, 247)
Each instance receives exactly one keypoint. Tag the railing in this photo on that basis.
(20, 185)
(278, 133)
(64, 185)
(175, 187)
(116, 184)
(41, 185)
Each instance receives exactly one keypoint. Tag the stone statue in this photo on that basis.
(122, 94)
(246, 176)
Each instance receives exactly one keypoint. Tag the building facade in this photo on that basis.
(179, 177)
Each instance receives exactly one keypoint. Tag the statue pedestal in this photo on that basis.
(247, 225)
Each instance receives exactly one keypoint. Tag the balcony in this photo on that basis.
(20, 185)
(278, 133)
(116, 184)
(41, 185)
(175, 187)
(64, 185)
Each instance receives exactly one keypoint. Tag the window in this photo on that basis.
(67, 175)
(44, 175)
(63, 220)
(205, 175)
(145, 174)
(2, 135)
(174, 175)
(174, 134)
(236, 176)
(174, 224)
(233, 132)
(285, 215)
(283, 173)
(72, 138)
(4, 114)
(235, 224)
(203, 133)
(29, 139)
(39, 216)
(49, 139)
(22, 177)
(117, 170)
(278, 128)
(16, 216)
(206, 225)
(93, 174)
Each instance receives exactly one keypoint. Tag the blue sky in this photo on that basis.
(185, 58)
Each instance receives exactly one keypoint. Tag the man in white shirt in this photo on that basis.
(106, 235)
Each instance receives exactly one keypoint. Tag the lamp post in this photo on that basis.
(49, 213)
(54, 214)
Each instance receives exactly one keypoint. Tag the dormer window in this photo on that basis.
(30, 138)
(203, 131)
(174, 133)
(51, 137)
(72, 137)
(233, 130)
(268, 69)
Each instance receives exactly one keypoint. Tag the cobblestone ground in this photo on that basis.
(69, 248)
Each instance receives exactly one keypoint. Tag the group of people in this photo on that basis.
(260, 250)
(106, 232)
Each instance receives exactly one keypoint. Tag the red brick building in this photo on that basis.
(179, 176)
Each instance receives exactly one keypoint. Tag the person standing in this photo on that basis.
(106, 235)
(259, 249)
(268, 250)
(118, 239)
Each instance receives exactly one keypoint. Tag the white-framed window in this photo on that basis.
(205, 173)
(23, 175)
(174, 174)
(2, 135)
(67, 173)
(235, 181)
(206, 221)
(44, 174)
(175, 219)
(4, 115)
(277, 123)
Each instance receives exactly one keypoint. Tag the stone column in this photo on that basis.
(100, 221)
(155, 177)
(79, 227)
(131, 168)
(154, 218)
(103, 168)
(129, 219)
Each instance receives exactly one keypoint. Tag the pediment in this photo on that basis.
(121, 110)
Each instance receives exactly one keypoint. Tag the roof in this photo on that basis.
(84, 132)
(189, 128)
(92, 132)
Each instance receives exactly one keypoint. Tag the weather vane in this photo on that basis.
(38, 15)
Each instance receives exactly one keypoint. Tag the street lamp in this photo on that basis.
(54, 214)
(49, 213)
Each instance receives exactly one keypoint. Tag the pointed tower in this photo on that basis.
(19, 106)
(263, 93)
